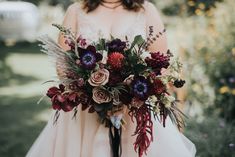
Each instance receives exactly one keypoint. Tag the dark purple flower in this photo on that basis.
(141, 87)
(179, 83)
(116, 45)
(89, 57)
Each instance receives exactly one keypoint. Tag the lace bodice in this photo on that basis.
(88, 29)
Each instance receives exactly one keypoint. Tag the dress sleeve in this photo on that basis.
(155, 29)
(70, 21)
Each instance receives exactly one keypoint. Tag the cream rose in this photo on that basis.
(99, 78)
(100, 95)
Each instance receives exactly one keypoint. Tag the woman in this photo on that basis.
(85, 136)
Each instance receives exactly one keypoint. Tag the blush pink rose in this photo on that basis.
(99, 78)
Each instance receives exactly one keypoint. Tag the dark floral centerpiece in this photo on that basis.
(109, 76)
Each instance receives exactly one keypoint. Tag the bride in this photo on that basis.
(85, 136)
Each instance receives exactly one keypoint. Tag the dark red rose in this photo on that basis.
(55, 91)
(61, 100)
(71, 100)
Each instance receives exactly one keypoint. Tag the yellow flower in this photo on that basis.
(233, 51)
(191, 3)
(198, 12)
(233, 91)
(224, 89)
(201, 6)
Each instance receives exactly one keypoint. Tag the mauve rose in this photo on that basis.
(99, 78)
(100, 95)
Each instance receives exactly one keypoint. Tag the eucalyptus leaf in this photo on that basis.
(138, 40)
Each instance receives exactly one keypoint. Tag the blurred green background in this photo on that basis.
(201, 32)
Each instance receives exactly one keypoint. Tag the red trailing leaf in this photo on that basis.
(144, 128)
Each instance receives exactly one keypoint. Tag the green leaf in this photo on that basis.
(138, 40)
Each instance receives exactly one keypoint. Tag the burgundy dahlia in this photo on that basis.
(158, 61)
(116, 45)
(89, 57)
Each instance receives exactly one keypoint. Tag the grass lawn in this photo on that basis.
(23, 69)
(21, 122)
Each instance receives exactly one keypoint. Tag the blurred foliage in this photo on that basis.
(217, 55)
(209, 51)
(64, 3)
(213, 137)
(8, 76)
(190, 7)
(207, 42)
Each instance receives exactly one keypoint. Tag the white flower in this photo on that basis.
(151, 100)
(145, 54)
(105, 56)
(168, 100)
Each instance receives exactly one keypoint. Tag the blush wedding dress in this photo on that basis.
(86, 137)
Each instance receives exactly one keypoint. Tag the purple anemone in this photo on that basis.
(89, 57)
(141, 87)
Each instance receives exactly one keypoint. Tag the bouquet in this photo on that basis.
(108, 77)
